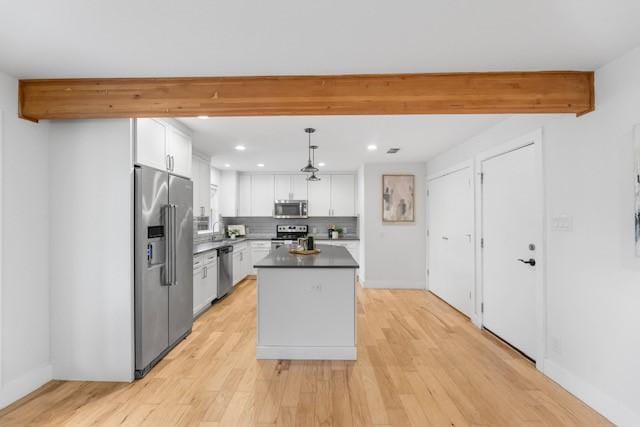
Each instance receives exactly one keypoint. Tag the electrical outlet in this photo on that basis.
(562, 223)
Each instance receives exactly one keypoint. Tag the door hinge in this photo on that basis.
(481, 307)
(427, 193)
(427, 233)
(428, 272)
(482, 242)
(481, 177)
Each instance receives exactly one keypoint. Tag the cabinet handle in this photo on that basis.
(172, 163)
(167, 162)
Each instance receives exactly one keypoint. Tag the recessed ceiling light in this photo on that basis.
(227, 165)
(321, 164)
(372, 147)
(260, 165)
(203, 117)
(240, 147)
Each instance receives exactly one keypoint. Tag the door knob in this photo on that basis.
(530, 261)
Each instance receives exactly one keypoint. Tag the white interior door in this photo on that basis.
(511, 217)
(451, 253)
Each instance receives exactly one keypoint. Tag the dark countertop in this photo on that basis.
(199, 248)
(329, 257)
(351, 238)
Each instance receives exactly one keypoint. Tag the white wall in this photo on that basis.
(593, 277)
(24, 286)
(91, 195)
(394, 254)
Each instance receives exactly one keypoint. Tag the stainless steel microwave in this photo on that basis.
(290, 209)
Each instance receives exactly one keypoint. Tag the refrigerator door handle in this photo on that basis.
(168, 239)
(174, 238)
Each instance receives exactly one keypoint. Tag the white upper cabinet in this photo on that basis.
(161, 146)
(262, 196)
(244, 195)
(201, 187)
(249, 194)
(228, 189)
(151, 144)
(290, 187)
(179, 150)
(282, 187)
(343, 195)
(299, 187)
(320, 196)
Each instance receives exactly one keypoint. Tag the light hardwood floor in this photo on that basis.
(419, 363)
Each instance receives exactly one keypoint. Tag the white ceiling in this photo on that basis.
(81, 38)
(280, 143)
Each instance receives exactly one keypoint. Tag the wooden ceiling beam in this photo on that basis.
(455, 93)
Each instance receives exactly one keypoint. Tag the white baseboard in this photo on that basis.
(20, 387)
(394, 284)
(306, 353)
(615, 411)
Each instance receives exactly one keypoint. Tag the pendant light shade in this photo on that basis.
(313, 176)
(309, 168)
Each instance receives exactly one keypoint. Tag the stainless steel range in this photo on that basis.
(287, 234)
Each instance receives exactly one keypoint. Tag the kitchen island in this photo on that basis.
(306, 305)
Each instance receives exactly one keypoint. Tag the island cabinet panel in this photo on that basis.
(306, 313)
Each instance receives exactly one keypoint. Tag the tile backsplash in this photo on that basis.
(265, 227)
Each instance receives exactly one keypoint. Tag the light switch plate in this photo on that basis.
(562, 223)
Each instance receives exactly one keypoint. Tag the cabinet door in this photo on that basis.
(320, 196)
(236, 267)
(204, 176)
(299, 187)
(179, 147)
(343, 195)
(244, 195)
(197, 192)
(282, 187)
(151, 144)
(256, 256)
(262, 195)
(246, 262)
(228, 188)
(198, 293)
(210, 283)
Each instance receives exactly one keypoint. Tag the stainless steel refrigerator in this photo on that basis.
(163, 264)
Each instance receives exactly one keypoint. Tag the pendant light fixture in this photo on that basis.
(310, 168)
(313, 176)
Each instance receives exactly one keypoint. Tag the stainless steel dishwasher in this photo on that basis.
(225, 270)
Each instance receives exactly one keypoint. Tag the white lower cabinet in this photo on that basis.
(241, 261)
(198, 291)
(205, 281)
(353, 246)
(259, 250)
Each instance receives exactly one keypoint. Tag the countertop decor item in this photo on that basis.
(304, 251)
(398, 198)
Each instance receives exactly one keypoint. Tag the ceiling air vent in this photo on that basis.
(392, 150)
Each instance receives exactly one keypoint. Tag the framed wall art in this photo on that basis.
(398, 198)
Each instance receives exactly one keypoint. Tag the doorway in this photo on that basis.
(511, 244)
(451, 246)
